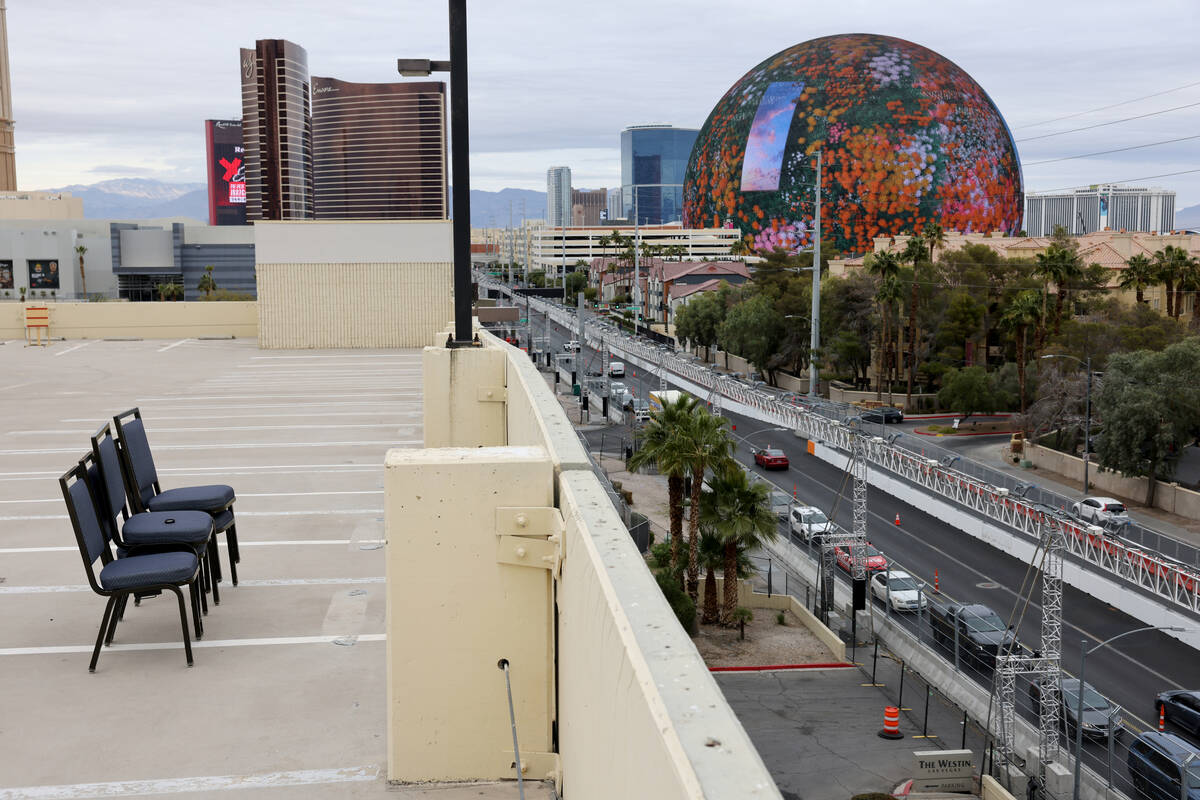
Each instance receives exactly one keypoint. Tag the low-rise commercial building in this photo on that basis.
(556, 250)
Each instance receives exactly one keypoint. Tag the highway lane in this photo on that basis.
(1130, 672)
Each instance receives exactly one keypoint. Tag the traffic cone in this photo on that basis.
(793, 491)
(897, 519)
(1162, 718)
(891, 724)
(935, 581)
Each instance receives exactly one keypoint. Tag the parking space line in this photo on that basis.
(201, 643)
(201, 783)
(324, 512)
(71, 349)
(274, 415)
(226, 429)
(243, 495)
(238, 446)
(264, 583)
(285, 469)
(221, 543)
(173, 344)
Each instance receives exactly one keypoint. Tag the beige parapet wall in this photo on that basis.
(120, 320)
(468, 542)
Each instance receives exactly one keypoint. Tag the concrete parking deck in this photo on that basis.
(287, 693)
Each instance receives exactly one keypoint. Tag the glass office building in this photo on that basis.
(654, 159)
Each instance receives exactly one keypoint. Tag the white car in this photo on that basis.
(809, 522)
(904, 595)
(616, 369)
(571, 347)
(1099, 510)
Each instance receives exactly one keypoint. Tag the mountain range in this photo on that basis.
(144, 198)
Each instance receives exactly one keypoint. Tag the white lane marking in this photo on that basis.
(274, 415)
(175, 397)
(415, 357)
(202, 783)
(118, 648)
(240, 446)
(71, 349)
(221, 543)
(241, 495)
(148, 410)
(284, 469)
(157, 430)
(253, 584)
(324, 512)
(173, 344)
(15, 386)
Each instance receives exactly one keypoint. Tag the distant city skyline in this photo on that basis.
(90, 104)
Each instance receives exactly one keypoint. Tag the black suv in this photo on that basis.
(886, 415)
(1155, 761)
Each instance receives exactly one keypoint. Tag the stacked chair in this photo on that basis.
(147, 540)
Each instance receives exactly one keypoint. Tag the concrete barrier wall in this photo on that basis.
(1170, 497)
(118, 320)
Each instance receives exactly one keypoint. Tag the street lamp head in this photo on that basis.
(420, 67)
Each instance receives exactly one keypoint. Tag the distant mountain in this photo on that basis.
(490, 209)
(140, 198)
(1188, 217)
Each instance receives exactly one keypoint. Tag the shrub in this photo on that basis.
(681, 603)
(226, 294)
(781, 618)
(661, 555)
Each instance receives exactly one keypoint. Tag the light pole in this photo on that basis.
(1083, 654)
(815, 339)
(1087, 433)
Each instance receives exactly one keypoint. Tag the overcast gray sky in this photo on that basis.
(120, 89)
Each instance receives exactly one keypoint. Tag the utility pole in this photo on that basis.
(815, 339)
(636, 294)
(510, 241)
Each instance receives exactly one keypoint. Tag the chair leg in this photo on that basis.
(108, 609)
(231, 541)
(201, 587)
(187, 642)
(197, 619)
(211, 560)
(114, 618)
(234, 550)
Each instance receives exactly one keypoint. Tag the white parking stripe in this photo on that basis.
(71, 349)
(173, 344)
(240, 495)
(391, 412)
(201, 783)
(253, 584)
(221, 543)
(202, 643)
(240, 446)
(324, 512)
(157, 430)
(210, 472)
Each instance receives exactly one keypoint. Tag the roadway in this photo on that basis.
(1130, 672)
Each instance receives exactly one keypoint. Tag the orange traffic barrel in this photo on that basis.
(891, 724)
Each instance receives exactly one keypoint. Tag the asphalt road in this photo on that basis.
(1129, 672)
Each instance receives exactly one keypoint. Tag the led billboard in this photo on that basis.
(226, 172)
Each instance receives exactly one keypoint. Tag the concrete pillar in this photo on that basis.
(464, 397)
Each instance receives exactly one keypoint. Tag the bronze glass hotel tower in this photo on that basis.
(275, 131)
(379, 150)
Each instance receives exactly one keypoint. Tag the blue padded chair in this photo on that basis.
(138, 575)
(145, 494)
(150, 531)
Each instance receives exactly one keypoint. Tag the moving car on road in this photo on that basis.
(1156, 767)
(810, 523)
(571, 346)
(875, 559)
(899, 589)
(771, 458)
(1100, 717)
(980, 633)
(616, 369)
(885, 415)
(1181, 707)
(1099, 510)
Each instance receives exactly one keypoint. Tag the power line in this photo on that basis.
(1113, 122)
(1124, 180)
(1106, 152)
(1105, 108)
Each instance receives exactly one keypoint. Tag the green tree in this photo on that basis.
(1139, 275)
(914, 253)
(712, 558)
(934, 236)
(704, 444)
(754, 330)
(1021, 313)
(576, 282)
(742, 520)
(537, 278)
(1060, 266)
(1149, 408)
(885, 266)
(81, 251)
(662, 444)
(848, 323)
(698, 323)
(206, 283)
(969, 391)
(1170, 267)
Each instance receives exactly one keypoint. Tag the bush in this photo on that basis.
(225, 294)
(681, 604)
(780, 619)
(660, 554)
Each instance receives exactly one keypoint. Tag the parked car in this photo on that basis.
(641, 410)
(1181, 707)
(981, 632)
(899, 589)
(885, 415)
(616, 369)
(1096, 709)
(1099, 510)
(771, 458)
(571, 346)
(1155, 765)
(810, 523)
(875, 559)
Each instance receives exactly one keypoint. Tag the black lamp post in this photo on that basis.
(460, 145)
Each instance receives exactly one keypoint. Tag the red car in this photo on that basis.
(876, 562)
(770, 458)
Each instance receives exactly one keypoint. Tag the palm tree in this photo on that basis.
(704, 444)
(743, 519)
(1060, 266)
(81, 251)
(206, 283)
(887, 266)
(1169, 266)
(1022, 312)
(913, 252)
(661, 445)
(1139, 274)
(934, 236)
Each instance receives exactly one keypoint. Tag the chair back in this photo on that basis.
(110, 479)
(137, 458)
(89, 533)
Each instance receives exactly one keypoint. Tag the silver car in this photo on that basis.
(810, 523)
(1100, 510)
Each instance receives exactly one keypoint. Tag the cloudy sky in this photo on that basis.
(120, 89)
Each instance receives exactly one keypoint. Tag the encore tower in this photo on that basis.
(379, 150)
(276, 131)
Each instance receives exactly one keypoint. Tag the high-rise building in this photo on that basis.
(1103, 207)
(558, 196)
(226, 158)
(8, 157)
(276, 130)
(654, 160)
(379, 150)
(588, 206)
(615, 209)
